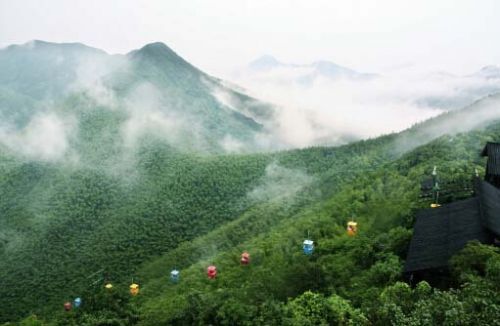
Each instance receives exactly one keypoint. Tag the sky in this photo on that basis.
(459, 36)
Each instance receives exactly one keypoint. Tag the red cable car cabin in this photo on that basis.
(245, 258)
(211, 272)
(67, 306)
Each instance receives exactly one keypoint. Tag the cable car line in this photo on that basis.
(308, 245)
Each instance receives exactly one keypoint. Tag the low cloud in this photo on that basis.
(46, 137)
(323, 111)
(231, 145)
(93, 71)
(478, 115)
(149, 115)
(335, 111)
(279, 183)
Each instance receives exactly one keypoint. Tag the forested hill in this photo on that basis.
(67, 229)
(61, 224)
(118, 169)
(348, 280)
(90, 97)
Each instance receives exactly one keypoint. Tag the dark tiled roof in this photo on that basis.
(490, 207)
(492, 150)
(440, 233)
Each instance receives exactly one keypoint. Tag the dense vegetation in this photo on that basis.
(120, 210)
(190, 211)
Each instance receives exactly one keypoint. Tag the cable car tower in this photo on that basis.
(435, 189)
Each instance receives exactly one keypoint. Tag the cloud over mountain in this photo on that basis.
(325, 103)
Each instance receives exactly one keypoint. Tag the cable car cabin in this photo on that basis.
(245, 258)
(134, 289)
(67, 306)
(174, 276)
(434, 205)
(211, 272)
(352, 228)
(77, 302)
(308, 247)
(109, 286)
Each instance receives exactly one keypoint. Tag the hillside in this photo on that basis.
(354, 280)
(135, 188)
(150, 92)
(61, 224)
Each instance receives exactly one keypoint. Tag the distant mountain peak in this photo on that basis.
(156, 46)
(52, 46)
(328, 67)
(265, 62)
(324, 63)
(38, 43)
(490, 67)
(490, 71)
(313, 70)
(157, 52)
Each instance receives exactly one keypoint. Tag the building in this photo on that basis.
(440, 233)
(492, 151)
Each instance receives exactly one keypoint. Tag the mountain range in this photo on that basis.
(118, 169)
(437, 90)
(169, 96)
(331, 70)
(311, 72)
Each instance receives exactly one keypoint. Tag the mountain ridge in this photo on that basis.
(40, 76)
(323, 68)
(120, 214)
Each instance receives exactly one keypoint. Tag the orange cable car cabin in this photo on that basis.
(134, 289)
(352, 228)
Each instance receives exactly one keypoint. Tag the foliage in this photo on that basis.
(60, 224)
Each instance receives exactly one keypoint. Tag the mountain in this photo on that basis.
(489, 72)
(36, 73)
(153, 82)
(307, 73)
(101, 181)
(464, 89)
(42, 70)
(351, 280)
(265, 63)
(68, 228)
(326, 82)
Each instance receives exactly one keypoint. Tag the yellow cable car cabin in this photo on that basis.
(109, 286)
(134, 289)
(352, 228)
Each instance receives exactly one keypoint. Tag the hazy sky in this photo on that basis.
(369, 35)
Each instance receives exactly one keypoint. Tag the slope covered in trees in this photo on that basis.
(150, 90)
(125, 196)
(62, 224)
(347, 280)
(190, 211)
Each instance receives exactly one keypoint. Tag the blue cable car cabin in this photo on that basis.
(174, 276)
(77, 302)
(308, 247)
